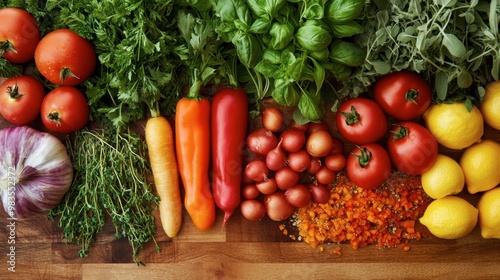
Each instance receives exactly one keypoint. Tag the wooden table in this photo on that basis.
(243, 250)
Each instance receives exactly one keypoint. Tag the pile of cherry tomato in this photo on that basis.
(62, 57)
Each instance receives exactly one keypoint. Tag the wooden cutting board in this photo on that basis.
(242, 250)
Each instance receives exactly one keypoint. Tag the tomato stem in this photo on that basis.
(351, 118)
(65, 73)
(400, 132)
(6, 46)
(13, 91)
(365, 157)
(54, 117)
(411, 95)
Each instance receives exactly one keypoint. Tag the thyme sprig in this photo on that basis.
(110, 178)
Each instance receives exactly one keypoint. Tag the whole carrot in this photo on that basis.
(160, 143)
(229, 127)
(192, 140)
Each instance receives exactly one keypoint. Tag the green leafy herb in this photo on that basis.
(453, 44)
(110, 178)
(284, 46)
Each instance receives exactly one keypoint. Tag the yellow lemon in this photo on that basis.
(481, 166)
(450, 217)
(444, 177)
(453, 125)
(490, 105)
(489, 213)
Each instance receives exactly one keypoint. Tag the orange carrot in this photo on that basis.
(160, 143)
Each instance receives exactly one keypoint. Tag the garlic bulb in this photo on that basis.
(35, 171)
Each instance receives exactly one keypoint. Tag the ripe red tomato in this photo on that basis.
(368, 166)
(20, 99)
(411, 147)
(403, 95)
(361, 121)
(65, 58)
(65, 110)
(19, 35)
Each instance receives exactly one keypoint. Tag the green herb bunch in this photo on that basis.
(453, 44)
(293, 49)
(110, 173)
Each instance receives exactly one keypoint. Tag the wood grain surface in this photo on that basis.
(242, 250)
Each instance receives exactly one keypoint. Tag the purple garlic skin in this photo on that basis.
(35, 171)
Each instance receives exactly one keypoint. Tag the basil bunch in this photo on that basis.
(293, 49)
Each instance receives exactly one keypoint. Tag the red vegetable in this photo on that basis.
(229, 114)
(250, 191)
(278, 208)
(361, 121)
(276, 158)
(293, 139)
(319, 193)
(65, 58)
(261, 141)
(19, 35)
(411, 147)
(319, 143)
(299, 161)
(368, 166)
(267, 186)
(335, 162)
(20, 99)
(64, 110)
(272, 119)
(404, 95)
(325, 175)
(286, 178)
(257, 170)
(298, 195)
(253, 210)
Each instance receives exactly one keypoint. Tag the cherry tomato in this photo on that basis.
(20, 99)
(65, 110)
(403, 95)
(411, 147)
(19, 35)
(368, 166)
(65, 58)
(361, 121)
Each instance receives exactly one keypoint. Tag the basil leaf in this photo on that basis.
(285, 94)
(260, 26)
(266, 68)
(248, 49)
(310, 106)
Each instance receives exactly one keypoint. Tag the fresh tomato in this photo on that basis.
(65, 58)
(65, 110)
(20, 99)
(403, 95)
(19, 35)
(411, 147)
(368, 166)
(361, 121)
